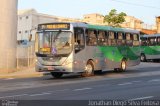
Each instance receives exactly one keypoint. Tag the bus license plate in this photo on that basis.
(50, 68)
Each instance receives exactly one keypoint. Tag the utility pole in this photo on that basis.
(8, 33)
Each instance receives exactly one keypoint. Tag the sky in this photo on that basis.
(145, 10)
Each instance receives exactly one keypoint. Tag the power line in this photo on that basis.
(135, 4)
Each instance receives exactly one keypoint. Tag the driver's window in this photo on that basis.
(79, 39)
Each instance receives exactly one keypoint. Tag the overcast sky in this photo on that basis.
(145, 10)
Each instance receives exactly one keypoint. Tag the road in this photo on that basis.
(137, 83)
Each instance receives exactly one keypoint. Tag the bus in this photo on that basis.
(65, 48)
(150, 47)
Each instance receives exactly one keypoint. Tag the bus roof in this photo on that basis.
(153, 35)
(111, 28)
(85, 25)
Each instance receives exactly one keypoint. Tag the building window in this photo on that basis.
(20, 32)
(26, 31)
(20, 18)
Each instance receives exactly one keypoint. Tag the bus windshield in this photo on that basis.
(55, 43)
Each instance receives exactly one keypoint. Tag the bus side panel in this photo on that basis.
(112, 56)
(79, 61)
(89, 53)
(133, 56)
(151, 52)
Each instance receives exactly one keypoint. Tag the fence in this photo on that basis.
(17, 58)
(25, 55)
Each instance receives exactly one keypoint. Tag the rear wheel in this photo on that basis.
(56, 75)
(89, 70)
(123, 65)
(143, 58)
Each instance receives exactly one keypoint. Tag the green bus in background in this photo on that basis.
(150, 47)
(65, 48)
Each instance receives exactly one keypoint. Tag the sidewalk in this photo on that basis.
(25, 73)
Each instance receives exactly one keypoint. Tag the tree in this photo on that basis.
(114, 19)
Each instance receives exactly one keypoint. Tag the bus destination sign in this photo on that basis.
(56, 26)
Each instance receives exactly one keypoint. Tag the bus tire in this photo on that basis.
(143, 58)
(56, 75)
(89, 69)
(123, 66)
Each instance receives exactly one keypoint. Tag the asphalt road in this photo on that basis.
(137, 83)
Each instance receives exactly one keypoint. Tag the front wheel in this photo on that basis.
(56, 75)
(143, 58)
(89, 70)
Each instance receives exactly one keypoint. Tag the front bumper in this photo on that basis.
(46, 68)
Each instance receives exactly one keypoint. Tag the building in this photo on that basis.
(132, 22)
(158, 24)
(28, 21)
(94, 18)
(8, 31)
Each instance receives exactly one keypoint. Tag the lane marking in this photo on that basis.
(103, 85)
(128, 83)
(136, 81)
(57, 91)
(82, 89)
(40, 94)
(14, 96)
(154, 80)
(142, 98)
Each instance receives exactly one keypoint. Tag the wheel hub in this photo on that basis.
(123, 65)
(89, 69)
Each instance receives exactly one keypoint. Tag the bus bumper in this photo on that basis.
(44, 68)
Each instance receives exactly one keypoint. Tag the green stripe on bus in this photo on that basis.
(118, 53)
(151, 50)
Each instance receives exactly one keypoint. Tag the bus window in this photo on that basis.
(158, 40)
(152, 41)
(106, 38)
(135, 40)
(46, 40)
(101, 38)
(144, 41)
(112, 39)
(91, 39)
(119, 38)
(79, 39)
(129, 39)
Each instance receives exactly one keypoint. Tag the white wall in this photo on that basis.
(28, 25)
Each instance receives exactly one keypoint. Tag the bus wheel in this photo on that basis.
(56, 75)
(143, 58)
(89, 70)
(123, 66)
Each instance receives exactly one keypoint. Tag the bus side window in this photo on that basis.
(119, 38)
(144, 41)
(91, 37)
(112, 39)
(135, 40)
(129, 39)
(124, 39)
(79, 39)
(158, 40)
(106, 38)
(152, 41)
(101, 38)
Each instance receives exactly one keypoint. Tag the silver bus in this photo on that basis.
(83, 48)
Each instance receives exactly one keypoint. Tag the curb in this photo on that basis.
(23, 75)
